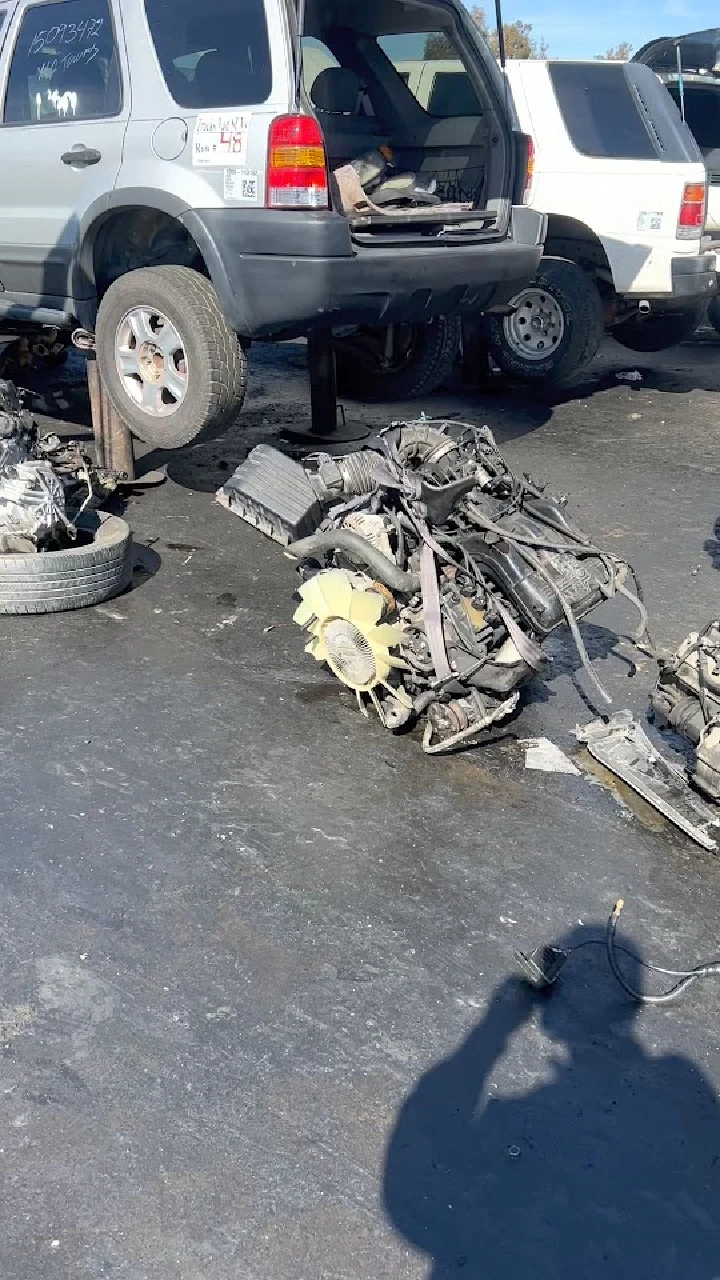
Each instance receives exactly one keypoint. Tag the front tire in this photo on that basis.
(421, 359)
(555, 329)
(172, 367)
(657, 332)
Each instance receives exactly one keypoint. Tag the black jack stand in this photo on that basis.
(325, 428)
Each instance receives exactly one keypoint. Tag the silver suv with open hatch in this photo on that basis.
(168, 182)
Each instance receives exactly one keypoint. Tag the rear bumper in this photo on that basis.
(691, 280)
(281, 274)
(694, 278)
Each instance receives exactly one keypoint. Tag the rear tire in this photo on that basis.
(426, 356)
(657, 332)
(53, 581)
(194, 388)
(562, 308)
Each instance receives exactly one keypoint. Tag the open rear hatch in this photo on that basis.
(699, 52)
(409, 164)
(689, 66)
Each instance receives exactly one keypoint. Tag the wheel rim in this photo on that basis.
(536, 327)
(151, 362)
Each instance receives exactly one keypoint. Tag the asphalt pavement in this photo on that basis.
(258, 1019)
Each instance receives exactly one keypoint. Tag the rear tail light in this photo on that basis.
(692, 211)
(297, 169)
(529, 169)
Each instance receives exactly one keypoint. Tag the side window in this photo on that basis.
(212, 53)
(64, 65)
(601, 115)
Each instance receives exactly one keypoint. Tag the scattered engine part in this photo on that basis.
(623, 747)
(42, 480)
(32, 506)
(542, 966)
(687, 698)
(431, 573)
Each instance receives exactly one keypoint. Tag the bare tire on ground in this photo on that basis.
(657, 332)
(418, 359)
(555, 329)
(97, 568)
(173, 368)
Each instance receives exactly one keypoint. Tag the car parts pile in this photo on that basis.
(58, 551)
(687, 698)
(42, 480)
(431, 573)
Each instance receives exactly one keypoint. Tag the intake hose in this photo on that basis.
(359, 550)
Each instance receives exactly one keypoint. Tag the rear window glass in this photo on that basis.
(600, 112)
(212, 54)
(702, 113)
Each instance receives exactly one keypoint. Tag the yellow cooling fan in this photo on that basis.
(343, 616)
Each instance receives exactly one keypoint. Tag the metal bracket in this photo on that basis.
(622, 746)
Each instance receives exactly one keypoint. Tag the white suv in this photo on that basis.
(623, 184)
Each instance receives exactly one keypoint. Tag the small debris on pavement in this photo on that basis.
(631, 375)
(544, 755)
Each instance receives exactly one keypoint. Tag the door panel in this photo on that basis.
(65, 112)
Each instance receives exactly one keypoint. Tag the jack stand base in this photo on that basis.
(345, 433)
(113, 442)
(324, 413)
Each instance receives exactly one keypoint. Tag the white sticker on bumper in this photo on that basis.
(220, 138)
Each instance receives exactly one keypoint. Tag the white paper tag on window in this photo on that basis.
(241, 184)
(220, 138)
(649, 221)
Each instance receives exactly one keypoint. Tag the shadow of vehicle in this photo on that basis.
(602, 1162)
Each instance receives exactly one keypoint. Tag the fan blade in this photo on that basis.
(366, 608)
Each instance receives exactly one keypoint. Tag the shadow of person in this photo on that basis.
(607, 1166)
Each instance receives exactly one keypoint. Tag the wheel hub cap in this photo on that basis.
(536, 326)
(151, 362)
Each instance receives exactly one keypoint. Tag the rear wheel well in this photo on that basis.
(568, 238)
(138, 237)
